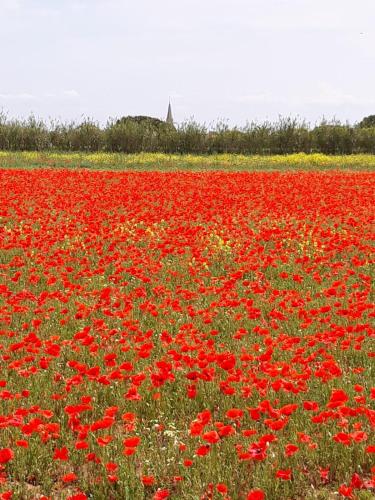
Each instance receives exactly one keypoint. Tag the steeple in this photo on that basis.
(169, 118)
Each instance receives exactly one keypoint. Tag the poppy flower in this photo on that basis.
(61, 454)
(285, 474)
(148, 480)
(211, 437)
(6, 495)
(222, 488)
(6, 455)
(234, 413)
(203, 450)
(161, 494)
(290, 449)
(256, 494)
(346, 491)
(22, 443)
(343, 438)
(70, 477)
(132, 442)
(338, 398)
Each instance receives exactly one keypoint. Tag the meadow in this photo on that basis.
(191, 162)
(185, 335)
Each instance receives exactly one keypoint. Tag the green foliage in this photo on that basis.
(192, 138)
(142, 120)
(26, 135)
(135, 134)
(334, 138)
(139, 133)
(367, 122)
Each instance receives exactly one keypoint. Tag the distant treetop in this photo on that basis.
(142, 120)
(367, 122)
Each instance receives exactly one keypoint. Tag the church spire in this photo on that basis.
(169, 118)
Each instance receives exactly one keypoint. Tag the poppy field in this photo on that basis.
(186, 335)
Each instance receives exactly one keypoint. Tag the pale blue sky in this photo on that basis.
(232, 59)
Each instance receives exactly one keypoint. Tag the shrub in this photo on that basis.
(146, 134)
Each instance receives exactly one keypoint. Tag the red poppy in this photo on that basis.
(161, 494)
(346, 491)
(234, 413)
(285, 474)
(343, 438)
(6, 455)
(70, 477)
(290, 449)
(203, 450)
(61, 454)
(256, 495)
(132, 442)
(338, 398)
(211, 437)
(148, 480)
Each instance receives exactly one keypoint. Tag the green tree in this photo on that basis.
(367, 122)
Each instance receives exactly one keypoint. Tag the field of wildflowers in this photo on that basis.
(186, 335)
(162, 161)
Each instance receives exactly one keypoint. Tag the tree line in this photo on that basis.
(145, 134)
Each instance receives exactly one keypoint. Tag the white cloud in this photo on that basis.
(22, 96)
(325, 95)
(10, 5)
(262, 97)
(26, 9)
(330, 95)
(172, 94)
(25, 96)
(71, 93)
(79, 6)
